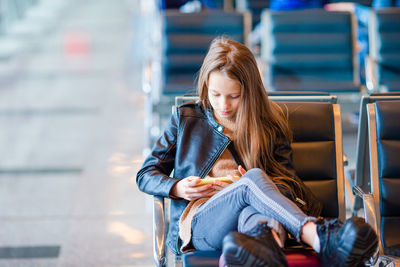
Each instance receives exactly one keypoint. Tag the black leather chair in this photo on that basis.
(317, 158)
(384, 145)
(383, 63)
(361, 175)
(310, 50)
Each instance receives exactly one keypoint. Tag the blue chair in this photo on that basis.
(383, 63)
(310, 50)
(185, 39)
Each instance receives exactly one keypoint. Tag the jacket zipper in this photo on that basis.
(219, 155)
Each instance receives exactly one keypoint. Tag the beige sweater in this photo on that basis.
(223, 166)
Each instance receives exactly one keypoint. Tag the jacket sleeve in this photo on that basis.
(153, 178)
(304, 198)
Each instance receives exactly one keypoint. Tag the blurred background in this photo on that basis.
(86, 87)
(72, 133)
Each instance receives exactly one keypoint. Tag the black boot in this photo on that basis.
(349, 244)
(256, 248)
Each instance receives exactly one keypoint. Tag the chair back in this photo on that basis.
(362, 170)
(318, 152)
(315, 121)
(384, 48)
(310, 50)
(384, 145)
(186, 39)
(317, 158)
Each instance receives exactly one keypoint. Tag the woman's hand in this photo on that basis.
(187, 189)
(218, 185)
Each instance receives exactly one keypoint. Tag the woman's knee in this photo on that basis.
(257, 173)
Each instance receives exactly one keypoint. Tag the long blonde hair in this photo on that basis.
(260, 123)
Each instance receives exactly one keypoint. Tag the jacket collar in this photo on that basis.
(212, 121)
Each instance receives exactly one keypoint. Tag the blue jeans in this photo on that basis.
(239, 206)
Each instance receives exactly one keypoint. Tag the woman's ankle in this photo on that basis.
(309, 233)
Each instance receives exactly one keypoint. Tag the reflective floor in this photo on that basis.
(71, 138)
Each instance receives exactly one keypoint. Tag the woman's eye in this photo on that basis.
(235, 96)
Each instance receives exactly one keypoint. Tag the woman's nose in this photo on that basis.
(224, 102)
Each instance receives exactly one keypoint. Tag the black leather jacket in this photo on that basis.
(190, 145)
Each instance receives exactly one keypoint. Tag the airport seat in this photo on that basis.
(360, 176)
(317, 158)
(383, 63)
(384, 152)
(186, 39)
(310, 50)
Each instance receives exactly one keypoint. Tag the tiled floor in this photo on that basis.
(72, 134)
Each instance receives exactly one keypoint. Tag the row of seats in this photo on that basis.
(301, 50)
(315, 120)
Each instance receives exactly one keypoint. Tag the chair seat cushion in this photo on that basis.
(211, 259)
(303, 258)
(201, 258)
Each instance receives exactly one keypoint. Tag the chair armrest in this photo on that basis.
(369, 216)
(159, 231)
(369, 206)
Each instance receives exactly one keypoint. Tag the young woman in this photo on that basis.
(231, 129)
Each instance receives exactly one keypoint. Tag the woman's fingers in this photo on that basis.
(233, 178)
(193, 180)
(197, 195)
(218, 185)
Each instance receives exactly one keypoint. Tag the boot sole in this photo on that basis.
(239, 251)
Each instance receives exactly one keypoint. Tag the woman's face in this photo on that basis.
(224, 94)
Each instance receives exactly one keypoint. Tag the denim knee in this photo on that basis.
(257, 174)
